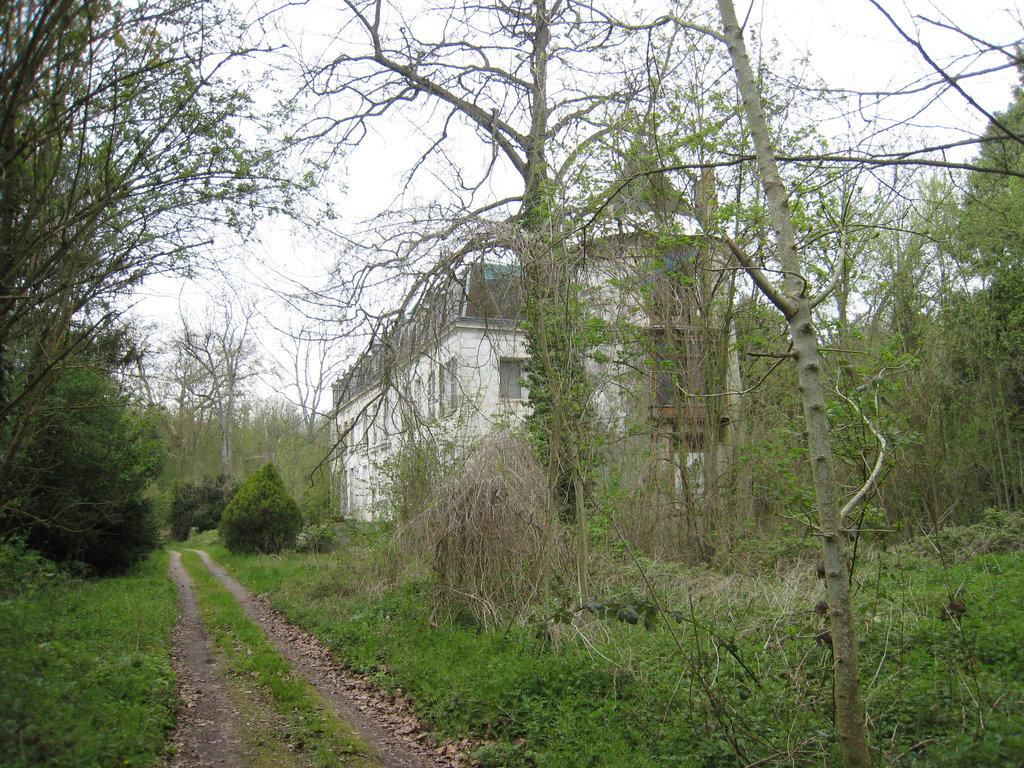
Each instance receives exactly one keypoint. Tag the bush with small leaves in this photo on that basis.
(261, 517)
(199, 505)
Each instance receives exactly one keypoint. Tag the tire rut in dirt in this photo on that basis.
(206, 735)
(390, 729)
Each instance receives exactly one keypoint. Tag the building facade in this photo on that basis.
(453, 368)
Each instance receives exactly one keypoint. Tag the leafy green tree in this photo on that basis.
(516, 89)
(955, 294)
(262, 516)
(120, 156)
(84, 472)
(793, 301)
(992, 225)
(561, 417)
(992, 232)
(199, 505)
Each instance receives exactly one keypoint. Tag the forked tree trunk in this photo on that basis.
(794, 302)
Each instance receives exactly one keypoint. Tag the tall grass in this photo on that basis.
(733, 670)
(85, 671)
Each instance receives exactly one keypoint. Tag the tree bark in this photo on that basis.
(794, 302)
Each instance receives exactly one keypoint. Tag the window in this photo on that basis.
(442, 389)
(674, 371)
(664, 381)
(510, 372)
(449, 385)
(676, 385)
(431, 394)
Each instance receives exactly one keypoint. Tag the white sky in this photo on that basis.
(852, 45)
(849, 43)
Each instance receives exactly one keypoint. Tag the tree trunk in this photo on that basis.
(796, 305)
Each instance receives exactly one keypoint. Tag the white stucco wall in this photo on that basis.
(371, 426)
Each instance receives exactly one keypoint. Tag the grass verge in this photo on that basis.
(289, 722)
(736, 673)
(85, 671)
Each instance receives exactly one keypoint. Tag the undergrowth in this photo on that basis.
(731, 670)
(85, 671)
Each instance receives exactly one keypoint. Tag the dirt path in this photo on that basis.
(208, 723)
(384, 722)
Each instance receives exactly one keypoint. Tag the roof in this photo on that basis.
(483, 291)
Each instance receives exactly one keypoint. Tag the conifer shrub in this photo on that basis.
(77, 488)
(262, 516)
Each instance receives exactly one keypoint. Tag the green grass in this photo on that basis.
(298, 722)
(739, 672)
(85, 672)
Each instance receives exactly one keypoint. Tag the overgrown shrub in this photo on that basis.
(317, 537)
(493, 534)
(411, 477)
(183, 504)
(199, 505)
(998, 531)
(261, 517)
(25, 570)
(319, 532)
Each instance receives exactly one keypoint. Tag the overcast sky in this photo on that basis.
(849, 44)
